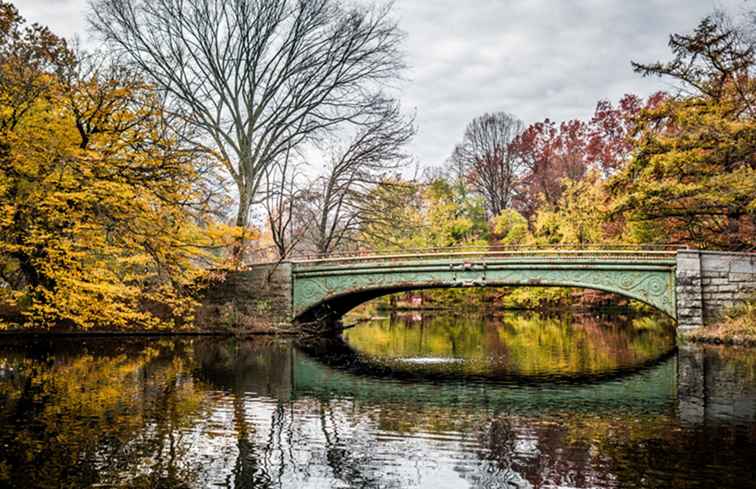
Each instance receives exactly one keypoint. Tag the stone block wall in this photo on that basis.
(708, 282)
(257, 300)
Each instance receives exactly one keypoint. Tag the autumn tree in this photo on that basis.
(30, 59)
(554, 154)
(580, 216)
(509, 228)
(550, 153)
(437, 218)
(97, 214)
(694, 169)
(486, 158)
(394, 214)
(611, 130)
(257, 78)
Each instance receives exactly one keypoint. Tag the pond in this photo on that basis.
(413, 401)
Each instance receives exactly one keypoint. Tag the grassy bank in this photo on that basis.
(737, 327)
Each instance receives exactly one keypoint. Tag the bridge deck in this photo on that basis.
(540, 255)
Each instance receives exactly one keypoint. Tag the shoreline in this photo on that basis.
(686, 338)
(143, 334)
(710, 335)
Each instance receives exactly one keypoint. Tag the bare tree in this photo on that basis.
(257, 77)
(284, 205)
(487, 159)
(341, 196)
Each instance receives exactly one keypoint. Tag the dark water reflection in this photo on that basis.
(210, 412)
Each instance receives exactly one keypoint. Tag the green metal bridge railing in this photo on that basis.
(545, 252)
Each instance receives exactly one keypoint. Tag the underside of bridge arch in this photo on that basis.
(326, 293)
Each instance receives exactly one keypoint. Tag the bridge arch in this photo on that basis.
(333, 287)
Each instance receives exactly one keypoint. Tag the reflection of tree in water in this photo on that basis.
(517, 344)
(240, 368)
(496, 451)
(283, 452)
(109, 414)
(517, 452)
(248, 473)
(347, 457)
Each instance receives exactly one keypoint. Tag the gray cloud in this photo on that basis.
(533, 58)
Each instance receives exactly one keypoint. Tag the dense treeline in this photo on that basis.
(215, 134)
(673, 168)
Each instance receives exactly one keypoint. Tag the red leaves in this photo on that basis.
(552, 152)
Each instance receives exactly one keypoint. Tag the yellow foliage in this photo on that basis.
(693, 171)
(580, 216)
(511, 226)
(95, 229)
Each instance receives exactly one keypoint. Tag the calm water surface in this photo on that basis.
(517, 401)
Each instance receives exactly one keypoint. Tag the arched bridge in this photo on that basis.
(336, 285)
(689, 285)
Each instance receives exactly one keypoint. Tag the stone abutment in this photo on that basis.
(709, 282)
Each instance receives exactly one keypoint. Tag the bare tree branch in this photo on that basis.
(487, 159)
(337, 204)
(284, 205)
(258, 77)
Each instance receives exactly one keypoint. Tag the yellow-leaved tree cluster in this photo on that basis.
(104, 220)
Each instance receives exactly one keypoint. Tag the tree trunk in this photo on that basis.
(242, 221)
(242, 215)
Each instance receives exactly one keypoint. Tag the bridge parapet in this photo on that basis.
(488, 253)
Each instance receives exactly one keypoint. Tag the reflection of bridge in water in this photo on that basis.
(693, 382)
(690, 286)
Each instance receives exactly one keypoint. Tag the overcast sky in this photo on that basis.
(532, 58)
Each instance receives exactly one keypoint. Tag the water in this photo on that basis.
(438, 402)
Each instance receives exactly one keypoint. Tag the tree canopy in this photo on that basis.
(694, 167)
(101, 207)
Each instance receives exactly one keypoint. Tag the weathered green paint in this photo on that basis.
(650, 279)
